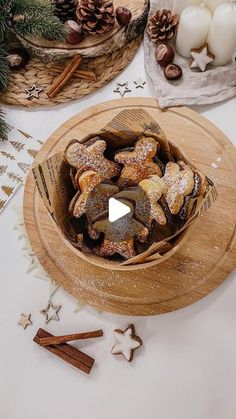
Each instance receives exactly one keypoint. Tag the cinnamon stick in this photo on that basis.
(56, 340)
(66, 74)
(67, 353)
(80, 74)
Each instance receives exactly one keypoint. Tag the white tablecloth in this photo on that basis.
(186, 368)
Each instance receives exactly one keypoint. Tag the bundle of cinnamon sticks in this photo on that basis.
(65, 74)
(58, 346)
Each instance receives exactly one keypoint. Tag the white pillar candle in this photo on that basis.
(194, 25)
(180, 5)
(222, 34)
(213, 4)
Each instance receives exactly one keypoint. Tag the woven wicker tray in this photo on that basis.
(106, 67)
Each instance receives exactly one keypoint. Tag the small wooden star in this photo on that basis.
(139, 84)
(122, 88)
(51, 312)
(34, 91)
(201, 57)
(25, 320)
(127, 342)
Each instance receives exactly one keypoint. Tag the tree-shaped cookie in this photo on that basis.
(91, 158)
(120, 235)
(146, 198)
(180, 183)
(138, 164)
(94, 196)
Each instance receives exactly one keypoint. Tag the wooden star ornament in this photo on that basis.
(33, 92)
(140, 84)
(201, 57)
(51, 312)
(127, 342)
(122, 88)
(25, 320)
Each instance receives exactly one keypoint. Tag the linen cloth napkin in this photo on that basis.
(195, 88)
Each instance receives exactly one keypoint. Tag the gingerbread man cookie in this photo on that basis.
(91, 158)
(94, 196)
(120, 235)
(154, 188)
(126, 342)
(180, 183)
(200, 188)
(146, 198)
(138, 164)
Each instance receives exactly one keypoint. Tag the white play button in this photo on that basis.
(117, 210)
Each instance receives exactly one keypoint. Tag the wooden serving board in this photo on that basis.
(94, 45)
(203, 262)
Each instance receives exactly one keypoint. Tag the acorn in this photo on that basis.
(173, 72)
(17, 58)
(74, 32)
(164, 54)
(123, 16)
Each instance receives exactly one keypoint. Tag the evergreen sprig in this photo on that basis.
(36, 18)
(27, 18)
(4, 69)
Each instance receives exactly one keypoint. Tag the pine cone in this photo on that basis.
(65, 9)
(96, 16)
(162, 26)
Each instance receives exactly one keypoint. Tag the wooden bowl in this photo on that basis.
(152, 256)
(93, 45)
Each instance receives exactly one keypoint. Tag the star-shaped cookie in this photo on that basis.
(201, 57)
(25, 320)
(51, 312)
(126, 342)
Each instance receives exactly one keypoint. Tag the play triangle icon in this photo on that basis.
(117, 210)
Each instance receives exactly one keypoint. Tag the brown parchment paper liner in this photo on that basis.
(55, 187)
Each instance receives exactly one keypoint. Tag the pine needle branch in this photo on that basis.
(4, 69)
(34, 17)
(27, 17)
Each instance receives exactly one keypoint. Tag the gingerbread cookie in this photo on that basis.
(180, 183)
(126, 342)
(200, 180)
(120, 235)
(146, 198)
(94, 196)
(154, 188)
(138, 164)
(91, 158)
(200, 188)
